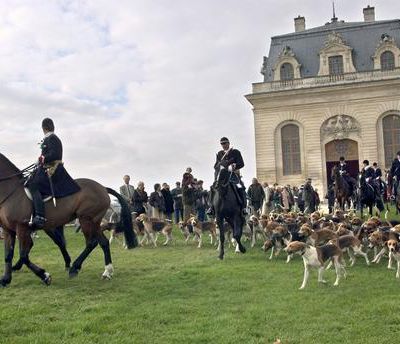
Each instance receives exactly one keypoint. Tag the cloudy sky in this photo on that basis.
(142, 87)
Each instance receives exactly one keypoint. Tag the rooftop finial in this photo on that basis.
(334, 18)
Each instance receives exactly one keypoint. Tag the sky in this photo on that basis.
(143, 87)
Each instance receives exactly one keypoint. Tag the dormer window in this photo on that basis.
(387, 60)
(335, 65)
(287, 72)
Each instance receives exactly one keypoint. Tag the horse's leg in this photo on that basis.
(105, 246)
(59, 239)
(237, 232)
(26, 243)
(220, 223)
(9, 244)
(89, 231)
(19, 264)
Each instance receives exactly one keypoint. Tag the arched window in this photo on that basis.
(291, 160)
(387, 60)
(287, 72)
(391, 137)
(335, 65)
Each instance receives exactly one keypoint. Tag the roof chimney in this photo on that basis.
(369, 14)
(299, 24)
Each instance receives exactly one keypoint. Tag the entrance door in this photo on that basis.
(337, 148)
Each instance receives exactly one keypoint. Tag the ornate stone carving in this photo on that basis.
(287, 52)
(333, 39)
(339, 127)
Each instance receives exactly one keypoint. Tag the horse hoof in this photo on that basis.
(47, 279)
(242, 249)
(73, 273)
(4, 282)
(16, 267)
(221, 257)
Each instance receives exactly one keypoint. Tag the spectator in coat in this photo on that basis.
(178, 204)
(140, 199)
(157, 203)
(168, 201)
(330, 196)
(267, 203)
(309, 197)
(126, 191)
(201, 201)
(300, 198)
(285, 198)
(256, 195)
(277, 199)
(188, 194)
(316, 199)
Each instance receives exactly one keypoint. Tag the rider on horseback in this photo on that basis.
(50, 178)
(369, 174)
(232, 159)
(345, 174)
(378, 178)
(395, 173)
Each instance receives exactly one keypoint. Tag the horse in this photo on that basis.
(88, 205)
(342, 188)
(227, 208)
(367, 197)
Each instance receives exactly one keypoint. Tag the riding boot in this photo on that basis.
(210, 211)
(38, 220)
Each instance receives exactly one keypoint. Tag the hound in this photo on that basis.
(352, 245)
(316, 237)
(316, 257)
(279, 239)
(200, 227)
(187, 231)
(153, 226)
(256, 228)
(394, 249)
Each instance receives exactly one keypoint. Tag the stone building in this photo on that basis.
(328, 91)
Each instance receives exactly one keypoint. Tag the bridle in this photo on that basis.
(26, 170)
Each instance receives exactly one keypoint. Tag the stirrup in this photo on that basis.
(37, 222)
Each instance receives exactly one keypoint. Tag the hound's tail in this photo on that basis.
(125, 220)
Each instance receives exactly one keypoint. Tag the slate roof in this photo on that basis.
(363, 37)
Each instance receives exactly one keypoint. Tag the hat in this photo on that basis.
(223, 140)
(341, 158)
(366, 162)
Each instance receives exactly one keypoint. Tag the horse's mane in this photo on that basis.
(4, 159)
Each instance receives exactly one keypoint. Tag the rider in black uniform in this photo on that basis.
(343, 172)
(395, 173)
(233, 160)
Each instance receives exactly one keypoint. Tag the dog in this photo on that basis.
(316, 237)
(394, 249)
(153, 226)
(352, 245)
(378, 239)
(255, 229)
(187, 231)
(200, 227)
(278, 240)
(317, 257)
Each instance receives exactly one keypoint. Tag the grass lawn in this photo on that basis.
(181, 294)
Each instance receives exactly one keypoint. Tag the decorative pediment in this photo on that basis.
(335, 45)
(287, 55)
(386, 43)
(340, 127)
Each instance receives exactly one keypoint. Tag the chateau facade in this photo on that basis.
(328, 91)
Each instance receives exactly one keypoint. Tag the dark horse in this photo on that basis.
(88, 205)
(228, 208)
(367, 197)
(342, 188)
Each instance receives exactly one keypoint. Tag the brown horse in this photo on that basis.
(342, 188)
(88, 205)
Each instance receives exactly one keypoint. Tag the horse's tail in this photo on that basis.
(125, 220)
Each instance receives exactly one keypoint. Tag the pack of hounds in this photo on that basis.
(321, 240)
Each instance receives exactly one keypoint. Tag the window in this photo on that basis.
(387, 60)
(391, 137)
(287, 72)
(291, 160)
(336, 65)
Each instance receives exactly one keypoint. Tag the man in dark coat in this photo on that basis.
(309, 197)
(168, 201)
(256, 195)
(378, 178)
(330, 196)
(178, 204)
(50, 178)
(395, 173)
(232, 159)
(201, 201)
(369, 174)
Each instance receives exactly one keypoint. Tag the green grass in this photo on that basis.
(181, 294)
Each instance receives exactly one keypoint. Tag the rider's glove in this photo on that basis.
(41, 160)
